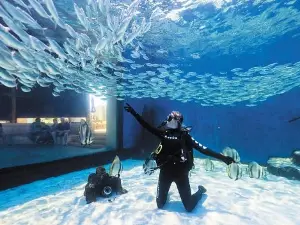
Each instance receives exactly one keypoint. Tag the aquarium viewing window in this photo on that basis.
(48, 120)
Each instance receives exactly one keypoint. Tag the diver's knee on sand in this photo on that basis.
(160, 202)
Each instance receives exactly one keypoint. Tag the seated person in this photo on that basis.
(35, 130)
(39, 132)
(46, 137)
(63, 129)
(53, 130)
(1, 134)
(100, 184)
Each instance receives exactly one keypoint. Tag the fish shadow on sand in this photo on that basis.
(177, 206)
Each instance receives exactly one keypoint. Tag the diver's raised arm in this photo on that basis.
(206, 151)
(146, 125)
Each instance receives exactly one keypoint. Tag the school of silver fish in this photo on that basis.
(108, 52)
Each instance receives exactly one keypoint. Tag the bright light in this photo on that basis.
(4, 121)
(97, 113)
(95, 101)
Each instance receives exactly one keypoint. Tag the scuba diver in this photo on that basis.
(174, 158)
(101, 184)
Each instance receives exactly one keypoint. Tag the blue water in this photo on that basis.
(232, 69)
(257, 132)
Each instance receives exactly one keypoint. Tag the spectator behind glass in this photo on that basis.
(53, 130)
(35, 130)
(85, 133)
(40, 132)
(63, 129)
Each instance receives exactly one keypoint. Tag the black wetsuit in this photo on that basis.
(173, 167)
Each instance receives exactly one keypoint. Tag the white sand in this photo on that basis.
(247, 201)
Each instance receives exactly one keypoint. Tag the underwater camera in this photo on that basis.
(107, 191)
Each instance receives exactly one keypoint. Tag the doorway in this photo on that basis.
(97, 115)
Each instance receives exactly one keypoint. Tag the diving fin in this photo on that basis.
(115, 167)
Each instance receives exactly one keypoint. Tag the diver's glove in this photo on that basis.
(228, 160)
(129, 109)
(148, 170)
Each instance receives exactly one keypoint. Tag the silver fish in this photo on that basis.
(25, 89)
(39, 8)
(255, 170)
(26, 55)
(20, 61)
(4, 49)
(234, 171)
(41, 67)
(85, 39)
(57, 49)
(10, 40)
(208, 165)
(31, 76)
(78, 44)
(4, 14)
(6, 76)
(42, 83)
(7, 65)
(88, 11)
(60, 23)
(52, 9)
(53, 13)
(21, 3)
(109, 21)
(55, 94)
(7, 83)
(20, 15)
(231, 152)
(123, 27)
(133, 6)
(52, 69)
(54, 77)
(101, 44)
(81, 16)
(48, 80)
(147, 27)
(71, 31)
(25, 81)
(130, 38)
(101, 6)
(106, 4)
(37, 44)
(16, 27)
(6, 58)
